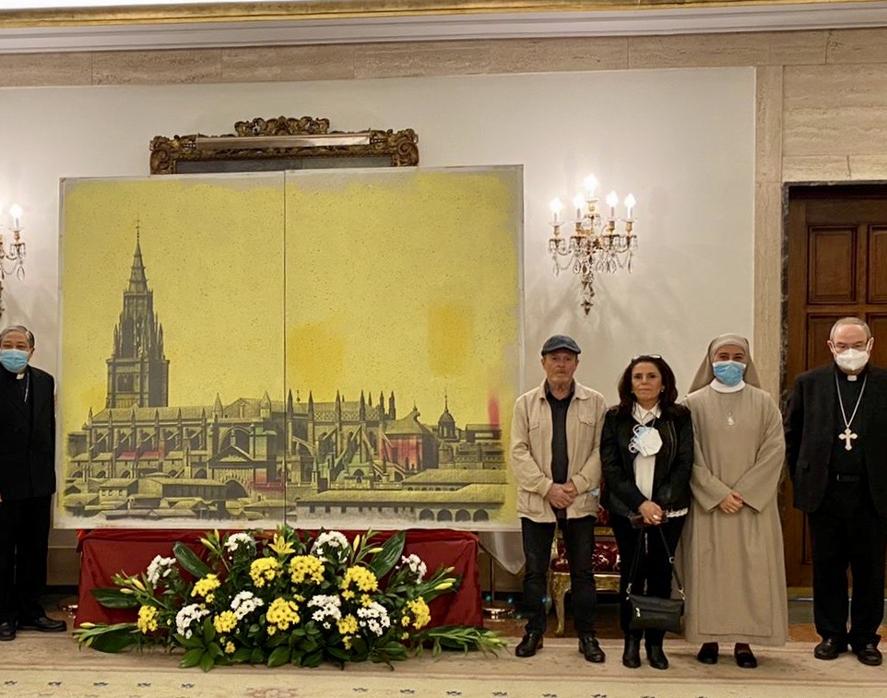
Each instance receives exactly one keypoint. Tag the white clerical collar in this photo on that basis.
(719, 387)
(643, 416)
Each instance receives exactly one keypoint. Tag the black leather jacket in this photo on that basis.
(674, 462)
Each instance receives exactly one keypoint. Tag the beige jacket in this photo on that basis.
(531, 452)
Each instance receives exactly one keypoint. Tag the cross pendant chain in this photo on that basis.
(847, 437)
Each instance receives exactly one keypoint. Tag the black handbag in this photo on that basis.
(652, 612)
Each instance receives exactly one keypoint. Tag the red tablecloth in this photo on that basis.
(105, 552)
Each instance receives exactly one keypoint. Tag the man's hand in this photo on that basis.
(732, 503)
(651, 512)
(559, 496)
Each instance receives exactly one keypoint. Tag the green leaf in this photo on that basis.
(313, 659)
(191, 658)
(280, 656)
(214, 649)
(257, 656)
(207, 662)
(189, 560)
(209, 632)
(113, 642)
(190, 643)
(389, 556)
(337, 653)
(244, 654)
(114, 598)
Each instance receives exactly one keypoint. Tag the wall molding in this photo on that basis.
(18, 37)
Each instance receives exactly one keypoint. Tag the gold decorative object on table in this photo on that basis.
(598, 243)
(283, 143)
(12, 256)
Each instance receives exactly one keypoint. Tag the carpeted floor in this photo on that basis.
(52, 666)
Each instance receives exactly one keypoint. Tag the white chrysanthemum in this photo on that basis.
(245, 603)
(326, 608)
(186, 618)
(239, 540)
(159, 568)
(417, 567)
(329, 540)
(374, 617)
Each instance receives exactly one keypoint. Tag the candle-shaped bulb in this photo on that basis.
(16, 212)
(556, 206)
(629, 202)
(590, 183)
(579, 204)
(612, 200)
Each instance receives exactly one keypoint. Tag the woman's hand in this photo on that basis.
(651, 512)
(732, 503)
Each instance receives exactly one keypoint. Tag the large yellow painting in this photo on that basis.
(325, 348)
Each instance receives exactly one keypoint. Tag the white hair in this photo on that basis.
(850, 321)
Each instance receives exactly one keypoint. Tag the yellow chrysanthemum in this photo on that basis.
(147, 621)
(271, 630)
(405, 620)
(306, 568)
(348, 625)
(230, 648)
(263, 570)
(360, 577)
(421, 612)
(348, 594)
(205, 586)
(225, 622)
(346, 641)
(366, 600)
(282, 613)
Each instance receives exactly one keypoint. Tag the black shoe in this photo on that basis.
(708, 653)
(631, 655)
(745, 658)
(657, 657)
(44, 624)
(7, 631)
(528, 645)
(829, 648)
(588, 645)
(869, 655)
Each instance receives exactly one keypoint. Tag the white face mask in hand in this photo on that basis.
(646, 441)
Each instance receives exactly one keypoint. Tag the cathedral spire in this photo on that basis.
(138, 281)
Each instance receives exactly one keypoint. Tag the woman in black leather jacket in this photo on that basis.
(647, 457)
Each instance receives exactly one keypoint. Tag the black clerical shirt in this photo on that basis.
(842, 461)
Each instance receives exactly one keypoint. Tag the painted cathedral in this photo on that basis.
(260, 459)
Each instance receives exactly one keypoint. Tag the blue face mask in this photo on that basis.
(728, 372)
(14, 360)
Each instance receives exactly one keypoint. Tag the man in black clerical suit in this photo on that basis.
(27, 483)
(836, 434)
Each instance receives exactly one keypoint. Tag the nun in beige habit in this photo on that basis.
(732, 544)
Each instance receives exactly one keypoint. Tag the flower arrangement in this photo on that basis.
(286, 600)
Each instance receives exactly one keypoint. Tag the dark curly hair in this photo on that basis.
(669, 396)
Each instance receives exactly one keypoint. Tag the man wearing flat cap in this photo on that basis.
(555, 455)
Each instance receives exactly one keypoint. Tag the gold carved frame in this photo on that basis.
(259, 142)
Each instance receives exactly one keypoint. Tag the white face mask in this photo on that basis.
(646, 441)
(852, 360)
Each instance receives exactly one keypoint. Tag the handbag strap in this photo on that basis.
(637, 558)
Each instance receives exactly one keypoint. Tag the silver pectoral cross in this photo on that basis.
(847, 437)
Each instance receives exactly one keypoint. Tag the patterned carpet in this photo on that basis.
(52, 666)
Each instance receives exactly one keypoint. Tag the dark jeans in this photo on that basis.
(579, 542)
(653, 576)
(846, 532)
(24, 539)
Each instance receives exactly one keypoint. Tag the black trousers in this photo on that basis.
(24, 540)
(653, 575)
(579, 543)
(847, 533)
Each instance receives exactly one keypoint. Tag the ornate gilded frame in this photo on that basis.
(259, 141)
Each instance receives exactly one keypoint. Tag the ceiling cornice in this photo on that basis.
(368, 21)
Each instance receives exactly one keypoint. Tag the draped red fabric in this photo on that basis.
(105, 552)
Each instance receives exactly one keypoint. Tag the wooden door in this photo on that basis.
(836, 266)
